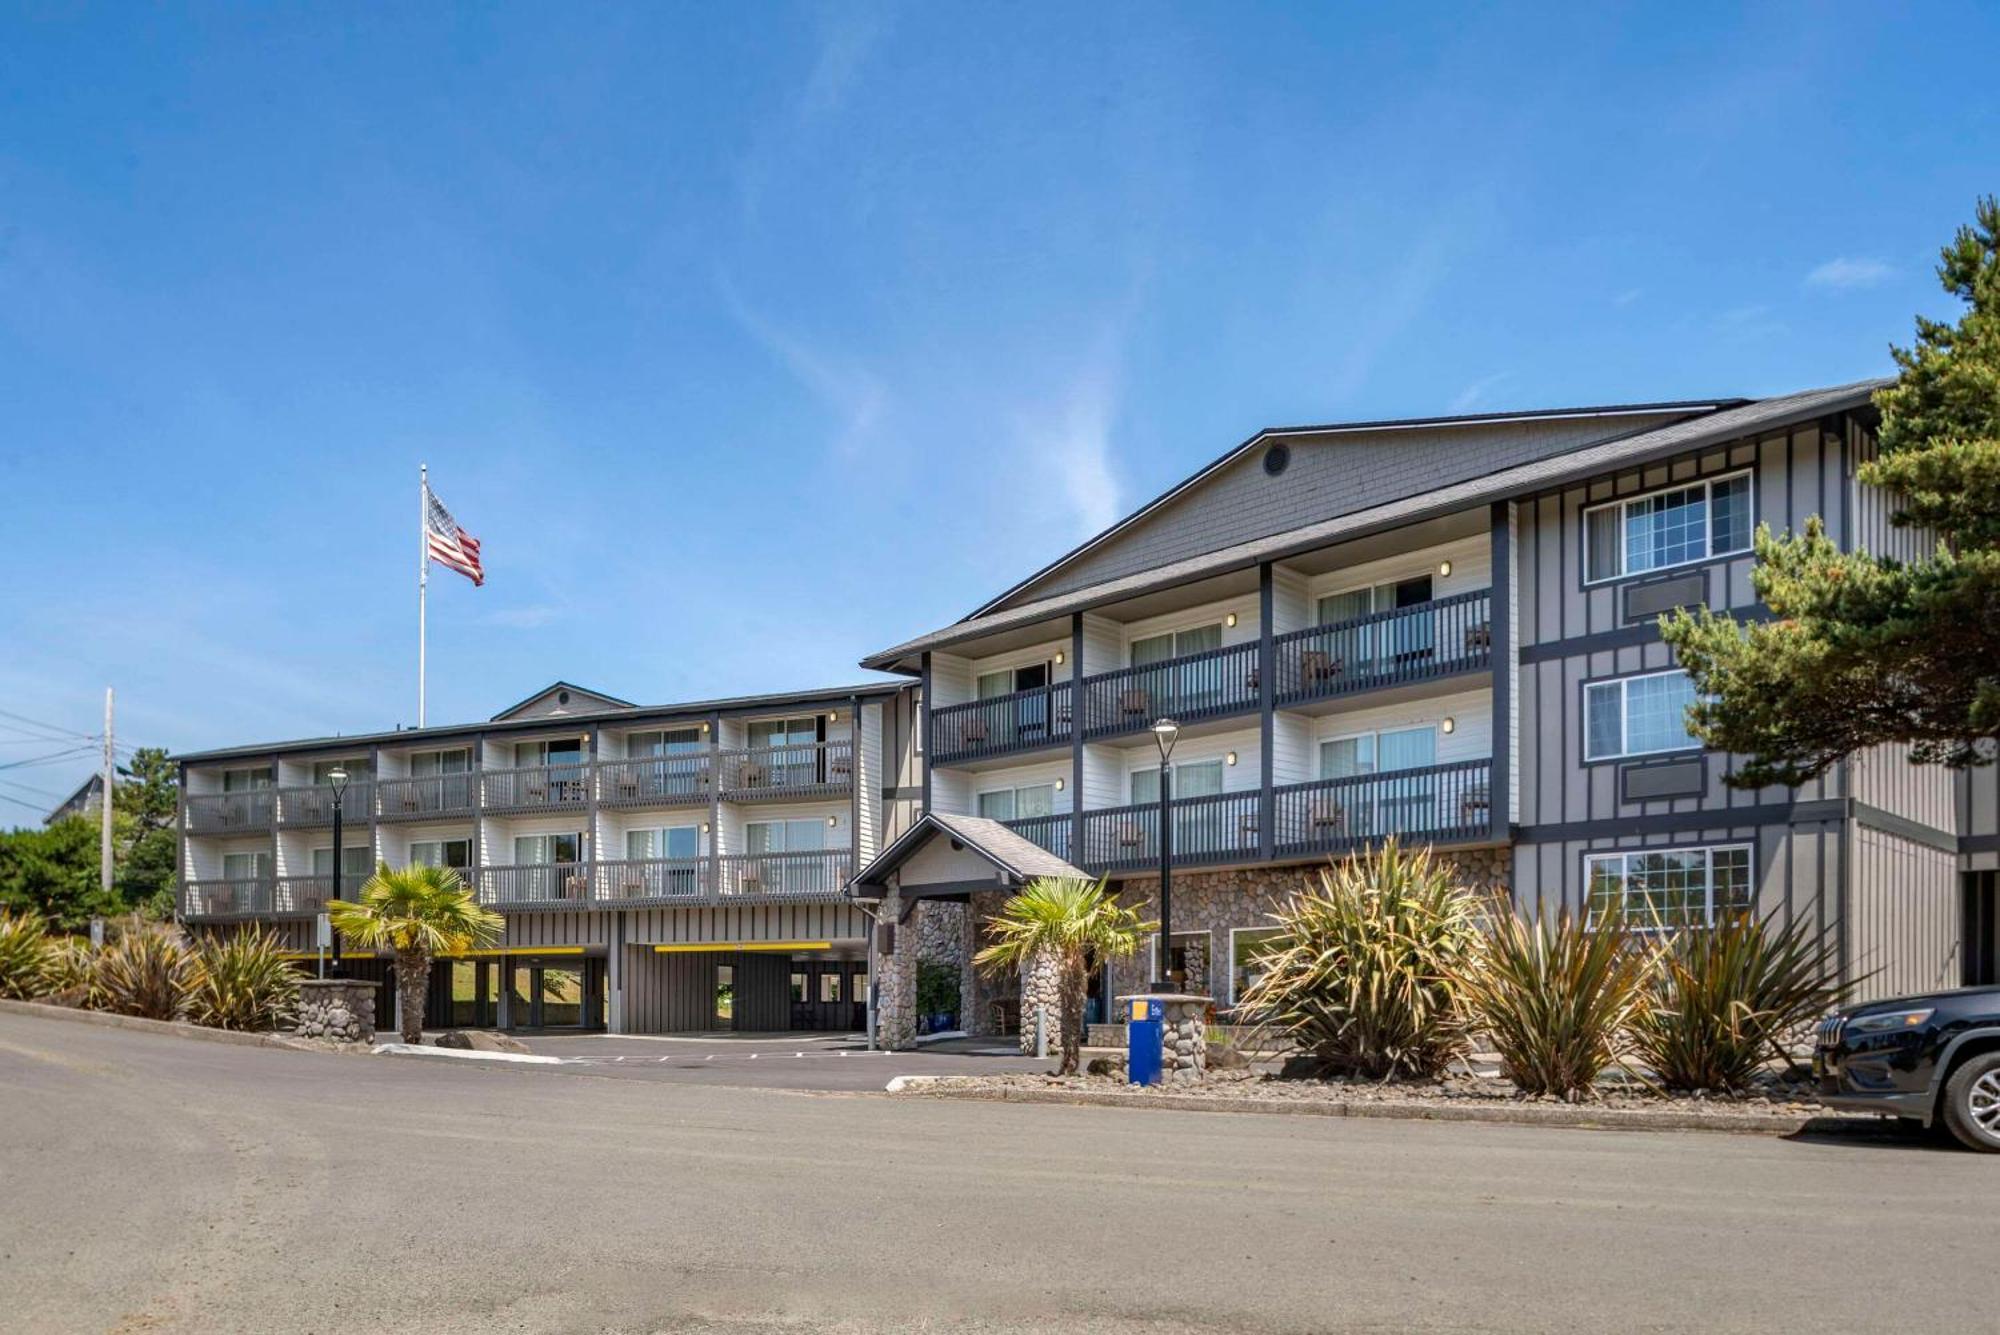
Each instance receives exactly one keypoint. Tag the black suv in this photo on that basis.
(1927, 1059)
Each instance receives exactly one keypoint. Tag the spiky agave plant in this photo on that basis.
(242, 981)
(24, 956)
(1557, 997)
(72, 973)
(1365, 974)
(1723, 998)
(144, 971)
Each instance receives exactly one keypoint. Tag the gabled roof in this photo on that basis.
(1725, 424)
(1016, 858)
(1610, 413)
(583, 698)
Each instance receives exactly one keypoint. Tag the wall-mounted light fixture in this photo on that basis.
(833, 716)
(1449, 725)
(1060, 658)
(1232, 757)
(704, 730)
(1444, 567)
(1230, 620)
(704, 827)
(1061, 784)
(832, 821)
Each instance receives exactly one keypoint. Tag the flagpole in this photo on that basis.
(423, 575)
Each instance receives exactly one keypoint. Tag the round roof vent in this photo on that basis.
(562, 697)
(1277, 458)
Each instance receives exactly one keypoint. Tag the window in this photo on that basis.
(1683, 887)
(770, 732)
(1667, 528)
(540, 849)
(1245, 967)
(1372, 752)
(1335, 608)
(672, 841)
(668, 742)
(829, 985)
(1637, 716)
(429, 764)
(246, 866)
(785, 836)
(1006, 681)
(354, 861)
(245, 780)
(441, 853)
(355, 769)
(1195, 778)
(1018, 803)
(527, 754)
(1176, 644)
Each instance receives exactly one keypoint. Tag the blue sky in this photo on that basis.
(750, 339)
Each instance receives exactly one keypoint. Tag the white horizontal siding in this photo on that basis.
(1471, 713)
(1471, 568)
(1049, 772)
(1103, 645)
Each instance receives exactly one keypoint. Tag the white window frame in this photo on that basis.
(1625, 719)
(1708, 851)
(1708, 485)
(1218, 621)
(1374, 736)
(659, 835)
(1234, 932)
(415, 844)
(1016, 789)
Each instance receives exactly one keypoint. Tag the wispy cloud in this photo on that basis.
(1846, 272)
(846, 38)
(856, 395)
(1475, 393)
(523, 618)
(1628, 296)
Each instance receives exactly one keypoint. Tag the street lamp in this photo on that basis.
(337, 779)
(1165, 733)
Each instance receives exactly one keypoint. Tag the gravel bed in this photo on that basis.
(1773, 1096)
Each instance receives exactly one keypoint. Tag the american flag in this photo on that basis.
(449, 544)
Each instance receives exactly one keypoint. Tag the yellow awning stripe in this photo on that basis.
(699, 947)
(453, 955)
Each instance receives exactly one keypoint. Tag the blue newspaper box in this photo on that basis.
(1143, 1019)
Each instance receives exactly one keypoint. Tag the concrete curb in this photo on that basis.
(166, 1028)
(463, 1054)
(1527, 1114)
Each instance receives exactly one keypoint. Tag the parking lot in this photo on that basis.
(807, 1062)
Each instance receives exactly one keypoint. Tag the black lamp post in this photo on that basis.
(337, 779)
(1165, 733)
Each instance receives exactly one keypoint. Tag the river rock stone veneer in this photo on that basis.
(341, 1009)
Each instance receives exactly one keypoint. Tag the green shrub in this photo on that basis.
(1723, 998)
(144, 971)
(1556, 999)
(937, 988)
(242, 981)
(24, 956)
(1364, 974)
(72, 972)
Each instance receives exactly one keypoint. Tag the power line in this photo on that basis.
(49, 759)
(23, 802)
(25, 788)
(52, 727)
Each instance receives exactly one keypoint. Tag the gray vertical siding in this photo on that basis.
(1883, 777)
(750, 922)
(1904, 924)
(557, 928)
(1976, 793)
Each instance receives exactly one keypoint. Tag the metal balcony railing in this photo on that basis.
(1002, 724)
(428, 797)
(653, 880)
(1434, 639)
(564, 787)
(655, 780)
(1438, 803)
(1210, 684)
(227, 897)
(313, 805)
(809, 770)
(230, 813)
(805, 875)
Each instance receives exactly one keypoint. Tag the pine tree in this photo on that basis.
(1863, 649)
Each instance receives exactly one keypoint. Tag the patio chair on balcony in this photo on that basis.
(973, 731)
(628, 785)
(754, 877)
(1317, 667)
(1135, 702)
(1475, 806)
(839, 769)
(536, 790)
(409, 800)
(576, 885)
(753, 775)
(1479, 638)
(222, 899)
(1329, 819)
(1131, 836)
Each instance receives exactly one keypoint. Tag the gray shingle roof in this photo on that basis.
(1009, 852)
(1676, 438)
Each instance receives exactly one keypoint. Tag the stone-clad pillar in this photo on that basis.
(342, 1009)
(1041, 987)
(895, 976)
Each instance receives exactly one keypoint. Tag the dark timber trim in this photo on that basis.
(924, 722)
(1888, 822)
(1075, 733)
(1498, 806)
(1725, 818)
(1267, 696)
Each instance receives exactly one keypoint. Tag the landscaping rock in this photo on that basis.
(1227, 1059)
(478, 1040)
(1106, 1066)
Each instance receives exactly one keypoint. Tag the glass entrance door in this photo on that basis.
(553, 995)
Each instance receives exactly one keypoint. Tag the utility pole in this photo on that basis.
(104, 808)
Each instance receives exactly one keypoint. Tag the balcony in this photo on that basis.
(641, 882)
(310, 806)
(309, 894)
(676, 780)
(1410, 644)
(1212, 684)
(788, 773)
(1437, 804)
(537, 788)
(433, 797)
(247, 812)
(532, 885)
(1002, 724)
(819, 874)
(231, 897)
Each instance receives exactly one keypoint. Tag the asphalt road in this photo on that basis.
(154, 1184)
(827, 1063)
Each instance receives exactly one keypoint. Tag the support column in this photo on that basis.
(894, 969)
(1506, 659)
(1076, 850)
(614, 977)
(1041, 989)
(1267, 694)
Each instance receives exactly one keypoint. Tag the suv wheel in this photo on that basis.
(1972, 1103)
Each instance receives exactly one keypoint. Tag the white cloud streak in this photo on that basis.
(1844, 273)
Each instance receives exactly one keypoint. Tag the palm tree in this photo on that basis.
(418, 912)
(1068, 919)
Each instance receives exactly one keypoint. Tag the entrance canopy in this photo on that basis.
(950, 857)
